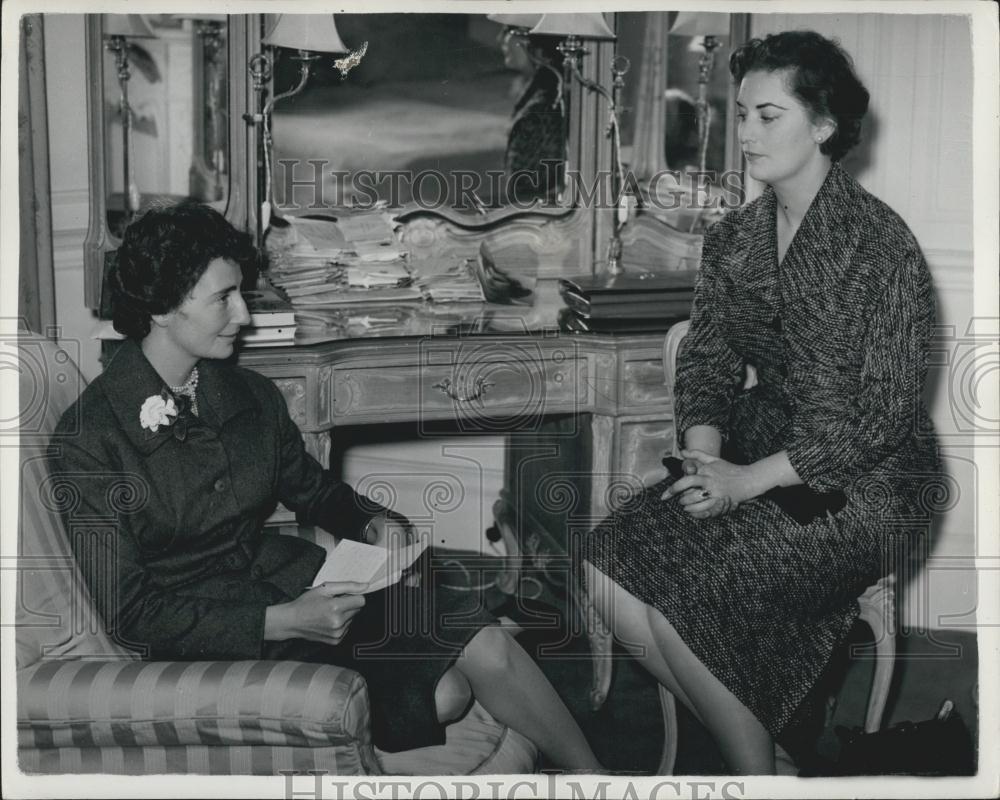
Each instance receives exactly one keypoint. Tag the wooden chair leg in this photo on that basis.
(601, 647)
(668, 756)
(878, 606)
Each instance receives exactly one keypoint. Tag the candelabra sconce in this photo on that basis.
(619, 68)
(575, 29)
(706, 64)
(118, 30)
(706, 28)
(309, 35)
(210, 126)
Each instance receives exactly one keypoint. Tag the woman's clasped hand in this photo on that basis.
(710, 486)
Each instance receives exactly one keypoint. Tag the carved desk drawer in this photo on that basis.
(642, 380)
(465, 382)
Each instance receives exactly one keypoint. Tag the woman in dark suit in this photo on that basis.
(819, 289)
(189, 455)
(536, 142)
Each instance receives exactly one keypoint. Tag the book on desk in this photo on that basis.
(272, 318)
(626, 302)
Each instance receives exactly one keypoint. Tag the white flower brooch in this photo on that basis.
(158, 409)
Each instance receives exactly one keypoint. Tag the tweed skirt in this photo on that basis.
(761, 600)
(403, 641)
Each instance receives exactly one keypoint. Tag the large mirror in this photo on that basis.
(159, 120)
(437, 103)
(436, 100)
(165, 111)
(444, 98)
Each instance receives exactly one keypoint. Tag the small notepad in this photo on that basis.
(377, 566)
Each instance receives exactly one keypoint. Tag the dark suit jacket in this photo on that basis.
(167, 526)
(839, 334)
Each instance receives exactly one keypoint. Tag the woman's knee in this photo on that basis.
(490, 653)
(452, 696)
(618, 608)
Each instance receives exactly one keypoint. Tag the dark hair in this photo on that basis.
(821, 76)
(163, 254)
(546, 48)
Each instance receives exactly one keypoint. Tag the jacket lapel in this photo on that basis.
(128, 380)
(749, 257)
(826, 239)
(222, 392)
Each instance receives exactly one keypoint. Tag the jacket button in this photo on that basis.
(257, 571)
(220, 485)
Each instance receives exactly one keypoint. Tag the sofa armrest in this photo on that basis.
(123, 703)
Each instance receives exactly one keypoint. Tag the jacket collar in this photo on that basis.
(129, 379)
(821, 250)
(825, 242)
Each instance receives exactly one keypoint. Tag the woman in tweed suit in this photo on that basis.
(819, 290)
(189, 455)
(536, 142)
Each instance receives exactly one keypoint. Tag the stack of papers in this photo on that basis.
(449, 282)
(351, 258)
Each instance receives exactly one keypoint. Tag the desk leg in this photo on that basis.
(601, 641)
(318, 446)
(602, 465)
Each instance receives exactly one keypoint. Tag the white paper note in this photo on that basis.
(377, 566)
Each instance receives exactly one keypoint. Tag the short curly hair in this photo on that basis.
(162, 256)
(821, 75)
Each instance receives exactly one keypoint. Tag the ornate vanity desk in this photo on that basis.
(597, 400)
(487, 370)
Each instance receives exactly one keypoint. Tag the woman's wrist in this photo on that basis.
(705, 438)
(771, 472)
(276, 623)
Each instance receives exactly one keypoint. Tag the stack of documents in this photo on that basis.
(353, 257)
(445, 281)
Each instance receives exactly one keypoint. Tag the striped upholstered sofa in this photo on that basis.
(85, 705)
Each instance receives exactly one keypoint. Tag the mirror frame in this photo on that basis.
(554, 233)
(568, 239)
(99, 239)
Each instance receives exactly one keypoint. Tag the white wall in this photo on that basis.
(917, 156)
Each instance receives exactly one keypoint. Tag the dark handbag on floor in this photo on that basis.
(938, 746)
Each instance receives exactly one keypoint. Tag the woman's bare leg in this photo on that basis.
(452, 696)
(745, 744)
(516, 692)
(626, 617)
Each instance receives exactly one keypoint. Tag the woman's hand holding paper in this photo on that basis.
(321, 614)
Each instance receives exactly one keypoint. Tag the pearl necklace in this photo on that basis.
(188, 390)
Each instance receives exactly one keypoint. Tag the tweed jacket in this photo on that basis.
(167, 526)
(838, 333)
